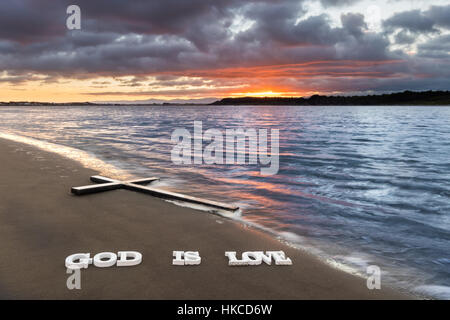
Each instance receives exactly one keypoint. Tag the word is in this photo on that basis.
(182, 258)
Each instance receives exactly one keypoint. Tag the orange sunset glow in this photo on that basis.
(287, 80)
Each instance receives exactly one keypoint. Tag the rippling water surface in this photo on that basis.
(358, 185)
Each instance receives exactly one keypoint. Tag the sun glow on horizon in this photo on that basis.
(269, 93)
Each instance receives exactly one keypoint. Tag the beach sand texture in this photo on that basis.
(41, 224)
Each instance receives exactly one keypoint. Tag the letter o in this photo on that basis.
(98, 262)
(253, 257)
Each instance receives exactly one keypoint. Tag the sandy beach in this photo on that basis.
(41, 224)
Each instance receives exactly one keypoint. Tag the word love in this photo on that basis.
(254, 258)
(103, 259)
(249, 258)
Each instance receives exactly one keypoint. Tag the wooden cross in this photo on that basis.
(106, 184)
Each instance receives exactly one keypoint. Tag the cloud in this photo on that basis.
(204, 45)
(404, 37)
(420, 21)
(354, 23)
(440, 15)
(25, 21)
(414, 21)
(438, 48)
(337, 3)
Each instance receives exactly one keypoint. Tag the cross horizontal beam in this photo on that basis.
(107, 184)
(79, 191)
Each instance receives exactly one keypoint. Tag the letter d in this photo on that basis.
(129, 258)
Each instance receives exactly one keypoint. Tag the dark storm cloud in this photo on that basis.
(420, 21)
(177, 34)
(440, 15)
(331, 3)
(436, 48)
(311, 31)
(25, 21)
(313, 36)
(415, 21)
(172, 38)
(404, 37)
(354, 23)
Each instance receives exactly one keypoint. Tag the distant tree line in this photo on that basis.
(400, 98)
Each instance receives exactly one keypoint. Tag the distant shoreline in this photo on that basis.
(428, 98)
(401, 98)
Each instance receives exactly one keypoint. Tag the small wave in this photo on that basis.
(441, 292)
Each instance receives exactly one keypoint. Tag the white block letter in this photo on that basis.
(99, 262)
(192, 258)
(178, 260)
(124, 261)
(254, 257)
(280, 258)
(84, 261)
(233, 261)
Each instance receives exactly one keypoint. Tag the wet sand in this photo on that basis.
(41, 224)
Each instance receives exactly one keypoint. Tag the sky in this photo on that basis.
(210, 49)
